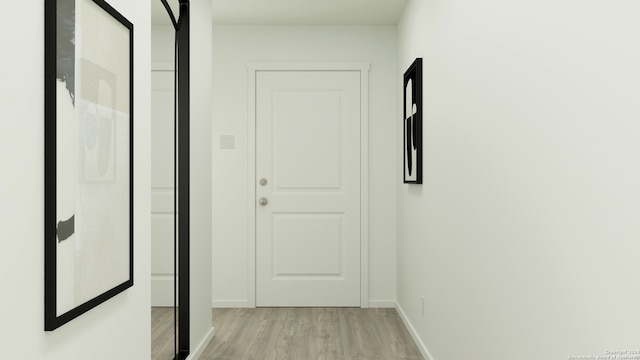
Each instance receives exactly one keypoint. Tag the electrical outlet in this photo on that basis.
(423, 306)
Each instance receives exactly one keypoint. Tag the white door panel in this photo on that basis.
(308, 151)
(162, 179)
(162, 129)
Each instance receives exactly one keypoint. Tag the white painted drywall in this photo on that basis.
(119, 327)
(233, 48)
(200, 153)
(293, 12)
(524, 237)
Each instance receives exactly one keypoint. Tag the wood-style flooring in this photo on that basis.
(310, 334)
(295, 334)
(162, 333)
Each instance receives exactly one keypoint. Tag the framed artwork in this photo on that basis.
(412, 121)
(88, 230)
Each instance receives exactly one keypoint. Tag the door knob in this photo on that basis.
(263, 201)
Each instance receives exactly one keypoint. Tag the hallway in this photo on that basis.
(297, 333)
(521, 243)
(310, 333)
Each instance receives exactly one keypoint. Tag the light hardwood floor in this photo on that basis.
(162, 330)
(295, 334)
(310, 334)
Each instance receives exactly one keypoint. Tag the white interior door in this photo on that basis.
(162, 219)
(308, 188)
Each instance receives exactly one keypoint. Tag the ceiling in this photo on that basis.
(296, 12)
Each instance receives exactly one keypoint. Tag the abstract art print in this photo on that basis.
(412, 121)
(88, 157)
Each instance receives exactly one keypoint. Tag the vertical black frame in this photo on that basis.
(182, 176)
(183, 169)
(412, 124)
(53, 321)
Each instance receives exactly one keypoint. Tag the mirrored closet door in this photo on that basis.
(169, 169)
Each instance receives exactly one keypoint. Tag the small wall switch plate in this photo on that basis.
(227, 141)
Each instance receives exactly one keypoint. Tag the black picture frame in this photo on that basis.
(412, 124)
(88, 169)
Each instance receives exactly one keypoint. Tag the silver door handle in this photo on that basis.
(263, 201)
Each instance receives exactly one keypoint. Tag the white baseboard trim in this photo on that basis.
(382, 304)
(414, 334)
(197, 352)
(221, 304)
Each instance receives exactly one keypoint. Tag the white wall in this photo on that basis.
(233, 48)
(121, 325)
(524, 237)
(201, 231)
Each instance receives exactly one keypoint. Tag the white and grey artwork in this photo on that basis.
(88, 136)
(412, 123)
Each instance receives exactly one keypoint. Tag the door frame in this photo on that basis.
(252, 69)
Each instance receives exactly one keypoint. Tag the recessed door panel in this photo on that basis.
(309, 124)
(307, 245)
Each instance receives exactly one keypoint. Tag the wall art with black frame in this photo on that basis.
(412, 121)
(88, 157)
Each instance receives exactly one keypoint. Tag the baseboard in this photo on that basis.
(197, 352)
(382, 304)
(414, 334)
(221, 304)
